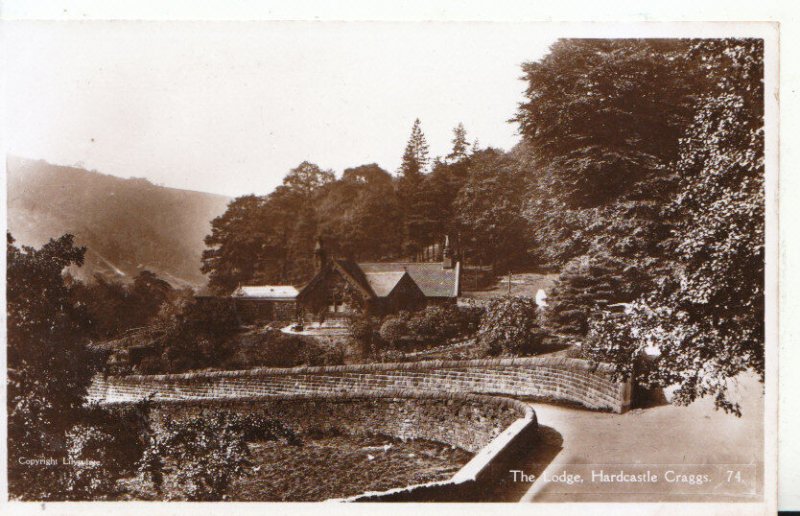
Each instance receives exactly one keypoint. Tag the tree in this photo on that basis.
(586, 286)
(706, 313)
(369, 175)
(267, 239)
(605, 116)
(415, 157)
(488, 210)
(113, 307)
(602, 124)
(460, 145)
(49, 365)
(360, 216)
(240, 244)
(417, 205)
(307, 178)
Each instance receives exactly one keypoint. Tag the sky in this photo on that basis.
(231, 107)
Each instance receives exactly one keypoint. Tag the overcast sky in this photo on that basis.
(231, 107)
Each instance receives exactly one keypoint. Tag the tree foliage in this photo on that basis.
(266, 239)
(113, 307)
(460, 145)
(415, 157)
(488, 211)
(49, 365)
(367, 215)
(706, 314)
(586, 286)
(605, 116)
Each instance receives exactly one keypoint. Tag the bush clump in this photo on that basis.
(274, 348)
(511, 326)
(429, 327)
(203, 456)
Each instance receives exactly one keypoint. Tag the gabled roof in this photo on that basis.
(266, 292)
(355, 274)
(380, 279)
(433, 279)
(382, 283)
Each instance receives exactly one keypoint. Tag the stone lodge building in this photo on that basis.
(342, 287)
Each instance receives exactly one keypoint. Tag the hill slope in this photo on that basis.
(126, 224)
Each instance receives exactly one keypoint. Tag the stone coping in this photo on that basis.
(574, 364)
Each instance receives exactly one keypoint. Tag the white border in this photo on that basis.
(518, 11)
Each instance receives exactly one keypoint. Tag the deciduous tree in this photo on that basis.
(706, 314)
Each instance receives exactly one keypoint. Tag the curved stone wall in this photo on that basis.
(467, 421)
(559, 379)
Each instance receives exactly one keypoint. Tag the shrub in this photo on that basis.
(273, 348)
(469, 318)
(510, 325)
(394, 330)
(152, 364)
(364, 331)
(207, 454)
(430, 324)
(103, 448)
(92, 471)
(430, 327)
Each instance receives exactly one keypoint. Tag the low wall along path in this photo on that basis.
(558, 379)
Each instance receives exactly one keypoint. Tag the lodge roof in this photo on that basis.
(431, 278)
(382, 283)
(379, 279)
(266, 292)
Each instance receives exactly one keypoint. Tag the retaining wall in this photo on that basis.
(467, 421)
(490, 427)
(561, 379)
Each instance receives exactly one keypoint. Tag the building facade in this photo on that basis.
(343, 287)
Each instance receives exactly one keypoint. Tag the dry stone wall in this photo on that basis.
(467, 421)
(559, 379)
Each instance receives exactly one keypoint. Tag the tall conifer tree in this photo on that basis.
(460, 145)
(415, 157)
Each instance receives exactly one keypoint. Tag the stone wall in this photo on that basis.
(467, 421)
(260, 311)
(559, 379)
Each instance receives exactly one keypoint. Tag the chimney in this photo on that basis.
(320, 257)
(447, 254)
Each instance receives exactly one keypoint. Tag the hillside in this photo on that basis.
(126, 224)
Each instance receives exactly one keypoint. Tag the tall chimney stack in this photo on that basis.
(319, 255)
(447, 254)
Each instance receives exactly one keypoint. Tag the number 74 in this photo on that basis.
(734, 475)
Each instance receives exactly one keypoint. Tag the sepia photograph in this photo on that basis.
(309, 261)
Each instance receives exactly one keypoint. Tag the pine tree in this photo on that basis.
(415, 157)
(585, 288)
(460, 145)
(476, 146)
